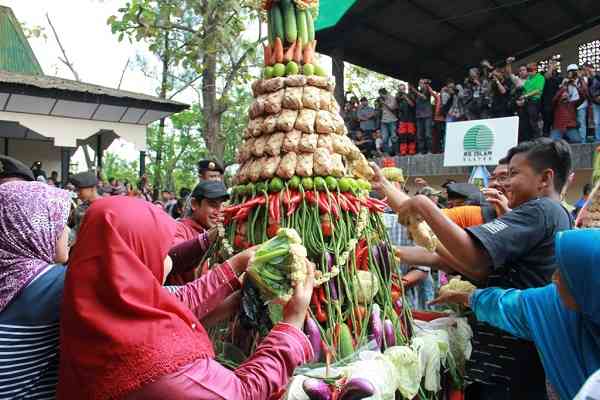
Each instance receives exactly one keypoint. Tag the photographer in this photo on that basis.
(476, 95)
(501, 89)
(533, 87)
(567, 99)
(424, 114)
(388, 119)
(456, 109)
(553, 81)
(407, 128)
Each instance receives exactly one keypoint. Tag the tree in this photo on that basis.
(363, 82)
(202, 45)
(115, 167)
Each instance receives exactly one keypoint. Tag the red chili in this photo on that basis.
(322, 297)
(319, 314)
(260, 200)
(272, 215)
(277, 207)
(334, 206)
(242, 214)
(343, 203)
(352, 202)
(323, 203)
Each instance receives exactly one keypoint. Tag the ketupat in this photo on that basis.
(458, 285)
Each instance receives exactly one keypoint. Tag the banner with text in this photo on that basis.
(479, 142)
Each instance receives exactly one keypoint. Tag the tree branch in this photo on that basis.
(65, 60)
(123, 74)
(234, 70)
(184, 87)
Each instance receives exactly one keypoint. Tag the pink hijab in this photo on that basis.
(32, 217)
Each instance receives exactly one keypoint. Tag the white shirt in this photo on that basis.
(591, 388)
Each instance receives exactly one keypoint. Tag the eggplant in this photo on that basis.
(316, 389)
(311, 329)
(357, 388)
(333, 292)
(375, 326)
(385, 263)
(381, 257)
(388, 330)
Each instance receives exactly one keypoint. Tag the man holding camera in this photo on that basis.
(407, 129)
(476, 95)
(566, 102)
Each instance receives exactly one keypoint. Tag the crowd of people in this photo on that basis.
(141, 290)
(413, 120)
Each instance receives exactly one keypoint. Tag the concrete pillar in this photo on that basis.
(337, 60)
(65, 162)
(99, 151)
(142, 163)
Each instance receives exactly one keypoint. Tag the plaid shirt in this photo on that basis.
(422, 293)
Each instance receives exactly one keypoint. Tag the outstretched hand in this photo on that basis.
(451, 297)
(294, 312)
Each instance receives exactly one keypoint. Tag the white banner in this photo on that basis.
(479, 142)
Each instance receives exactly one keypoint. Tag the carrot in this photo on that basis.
(267, 49)
(278, 50)
(289, 54)
(308, 54)
(298, 51)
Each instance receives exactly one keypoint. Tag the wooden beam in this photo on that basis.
(523, 27)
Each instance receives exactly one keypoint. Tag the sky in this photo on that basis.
(97, 55)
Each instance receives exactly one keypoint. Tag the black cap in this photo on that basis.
(448, 182)
(209, 165)
(465, 191)
(210, 190)
(11, 168)
(84, 179)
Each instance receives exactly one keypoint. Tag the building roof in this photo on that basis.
(48, 95)
(437, 39)
(15, 53)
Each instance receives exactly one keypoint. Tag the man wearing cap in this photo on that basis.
(567, 102)
(206, 207)
(432, 194)
(14, 170)
(37, 170)
(85, 184)
(210, 170)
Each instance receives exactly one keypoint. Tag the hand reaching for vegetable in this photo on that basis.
(240, 261)
(451, 297)
(294, 312)
(380, 183)
(498, 200)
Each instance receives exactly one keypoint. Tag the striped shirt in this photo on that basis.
(29, 339)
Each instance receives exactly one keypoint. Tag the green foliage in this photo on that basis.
(114, 166)
(202, 46)
(364, 82)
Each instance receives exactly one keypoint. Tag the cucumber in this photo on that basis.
(277, 18)
(289, 21)
(270, 30)
(302, 26)
(310, 26)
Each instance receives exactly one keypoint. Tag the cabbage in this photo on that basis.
(432, 348)
(368, 286)
(378, 370)
(408, 368)
(276, 264)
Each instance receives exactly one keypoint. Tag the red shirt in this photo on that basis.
(187, 229)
